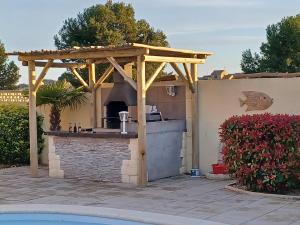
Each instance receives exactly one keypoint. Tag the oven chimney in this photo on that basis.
(122, 91)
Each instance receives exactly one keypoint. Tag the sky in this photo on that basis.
(224, 27)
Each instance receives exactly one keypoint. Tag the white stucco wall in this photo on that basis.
(218, 100)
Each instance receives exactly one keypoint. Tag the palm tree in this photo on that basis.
(59, 95)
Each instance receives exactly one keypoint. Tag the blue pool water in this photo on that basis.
(59, 219)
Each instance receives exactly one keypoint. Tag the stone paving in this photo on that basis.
(182, 196)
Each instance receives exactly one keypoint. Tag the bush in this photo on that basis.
(262, 151)
(14, 135)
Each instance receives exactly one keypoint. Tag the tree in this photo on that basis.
(250, 63)
(281, 52)
(59, 95)
(108, 24)
(9, 72)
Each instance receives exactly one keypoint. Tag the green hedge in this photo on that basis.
(14, 135)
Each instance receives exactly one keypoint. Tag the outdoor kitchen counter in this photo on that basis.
(93, 156)
(101, 134)
(112, 156)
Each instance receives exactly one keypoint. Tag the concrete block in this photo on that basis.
(56, 173)
(132, 169)
(125, 178)
(133, 180)
(54, 164)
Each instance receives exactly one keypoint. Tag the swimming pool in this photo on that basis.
(53, 214)
(59, 219)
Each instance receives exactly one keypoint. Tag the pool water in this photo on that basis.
(59, 219)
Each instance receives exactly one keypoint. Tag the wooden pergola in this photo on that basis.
(114, 56)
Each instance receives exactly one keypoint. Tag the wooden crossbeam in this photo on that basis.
(119, 60)
(104, 76)
(42, 75)
(178, 71)
(154, 75)
(122, 72)
(151, 58)
(77, 75)
(57, 65)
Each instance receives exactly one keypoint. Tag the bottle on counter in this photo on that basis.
(70, 128)
(75, 128)
(79, 128)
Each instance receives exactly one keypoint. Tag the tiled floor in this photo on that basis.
(183, 196)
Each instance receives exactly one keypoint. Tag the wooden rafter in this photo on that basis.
(154, 75)
(42, 75)
(151, 58)
(104, 76)
(77, 75)
(178, 71)
(122, 72)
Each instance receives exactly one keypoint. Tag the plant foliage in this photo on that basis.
(59, 95)
(106, 24)
(9, 72)
(281, 51)
(14, 135)
(262, 151)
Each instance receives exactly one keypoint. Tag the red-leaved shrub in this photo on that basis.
(262, 151)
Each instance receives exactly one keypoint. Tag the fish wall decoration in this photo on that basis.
(256, 101)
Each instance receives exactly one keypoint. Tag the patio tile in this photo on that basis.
(244, 214)
(183, 196)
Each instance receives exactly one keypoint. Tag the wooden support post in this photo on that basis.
(32, 120)
(93, 101)
(195, 119)
(141, 106)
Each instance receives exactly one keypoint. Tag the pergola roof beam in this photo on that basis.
(92, 54)
(57, 65)
(151, 58)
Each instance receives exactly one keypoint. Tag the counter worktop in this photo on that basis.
(101, 134)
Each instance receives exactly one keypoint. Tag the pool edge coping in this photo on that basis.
(111, 213)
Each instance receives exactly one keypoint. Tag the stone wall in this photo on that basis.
(88, 158)
(13, 97)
